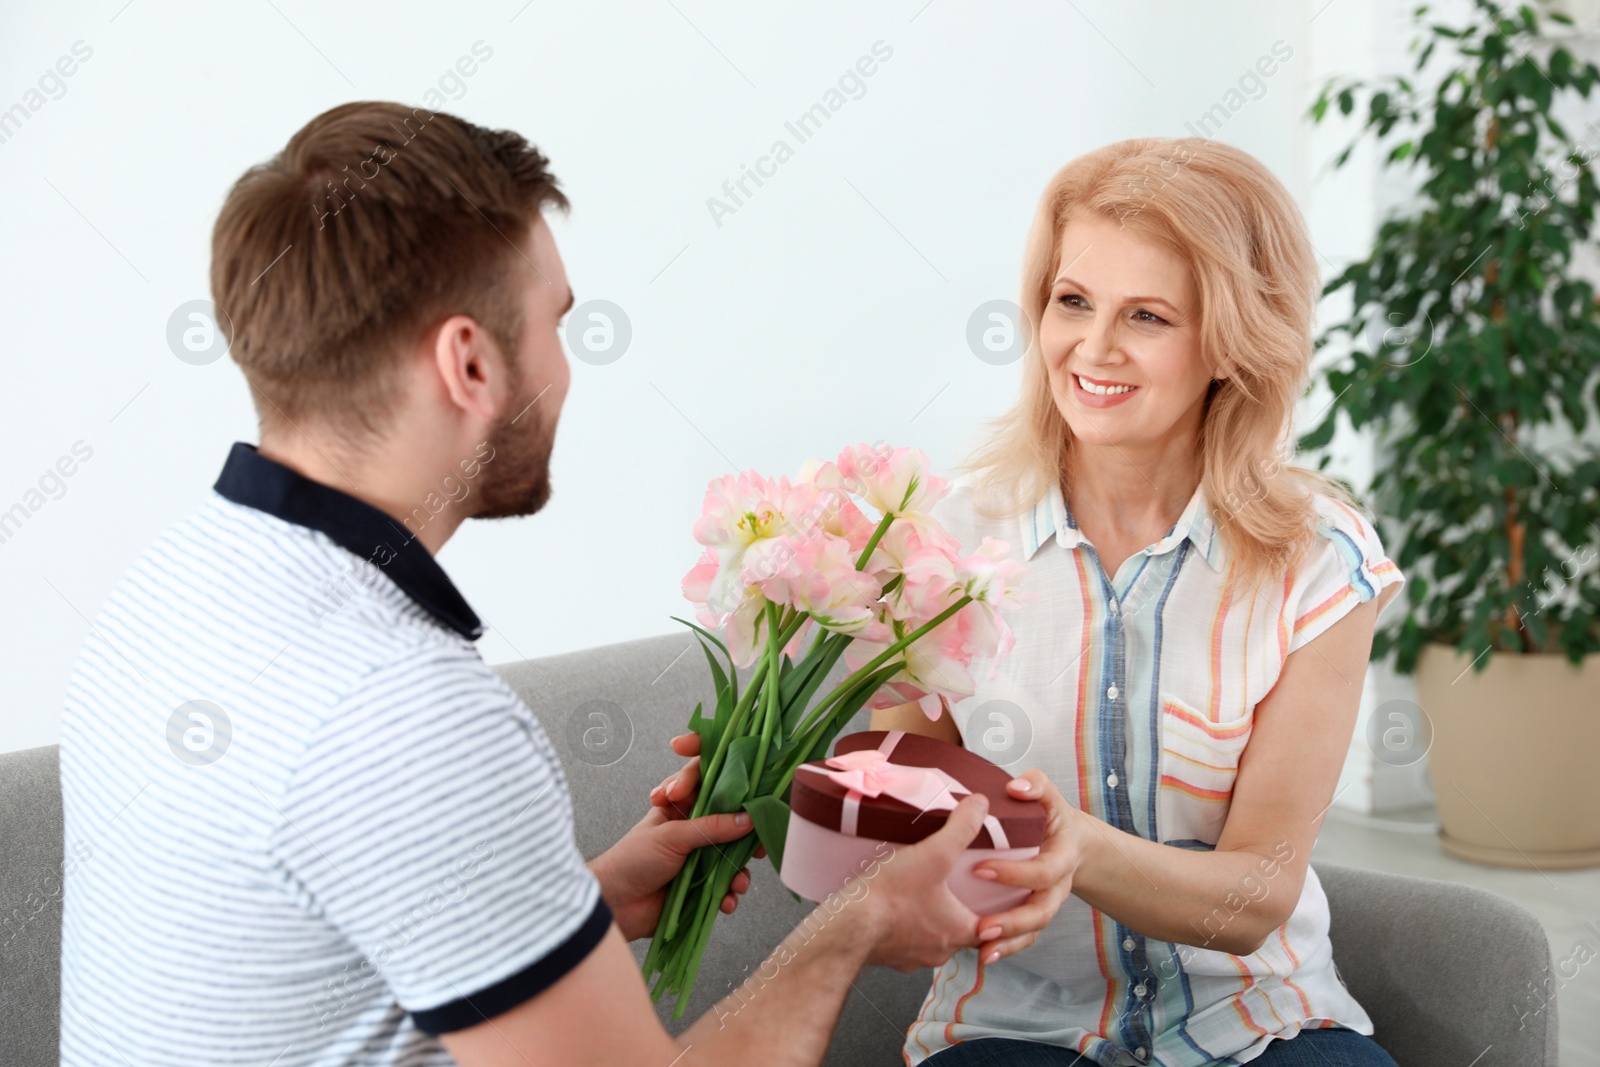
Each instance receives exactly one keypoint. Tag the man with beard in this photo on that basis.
(323, 831)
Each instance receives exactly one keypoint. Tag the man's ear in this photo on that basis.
(469, 366)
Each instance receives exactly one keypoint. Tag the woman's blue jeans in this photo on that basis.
(1335, 1047)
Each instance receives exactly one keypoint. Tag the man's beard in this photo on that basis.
(517, 480)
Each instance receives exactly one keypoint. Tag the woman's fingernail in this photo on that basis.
(741, 820)
(991, 957)
(984, 873)
(988, 933)
(1022, 784)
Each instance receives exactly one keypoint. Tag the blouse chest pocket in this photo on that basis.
(1199, 760)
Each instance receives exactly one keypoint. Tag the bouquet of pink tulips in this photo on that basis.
(785, 561)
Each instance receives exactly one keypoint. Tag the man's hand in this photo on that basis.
(1049, 874)
(634, 872)
(922, 924)
(677, 791)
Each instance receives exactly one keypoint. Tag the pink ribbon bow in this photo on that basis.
(869, 772)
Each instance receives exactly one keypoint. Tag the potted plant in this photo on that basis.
(1474, 360)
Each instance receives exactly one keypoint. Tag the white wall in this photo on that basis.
(831, 307)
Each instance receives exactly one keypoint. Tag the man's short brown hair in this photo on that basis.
(376, 222)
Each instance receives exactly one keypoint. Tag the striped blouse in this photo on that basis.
(1135, 695)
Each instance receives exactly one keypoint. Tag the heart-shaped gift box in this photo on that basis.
(885, 788)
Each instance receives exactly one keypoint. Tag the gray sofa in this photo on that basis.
(1444, 970)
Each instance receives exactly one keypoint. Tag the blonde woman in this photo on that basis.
(1190, 675)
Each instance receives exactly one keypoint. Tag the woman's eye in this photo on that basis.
(1067, 298)
(1153, 317)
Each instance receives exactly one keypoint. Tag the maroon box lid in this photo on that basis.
(820, 799)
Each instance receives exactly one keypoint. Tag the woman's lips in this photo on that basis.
(1101, 399)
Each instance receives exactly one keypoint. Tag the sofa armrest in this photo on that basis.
(1450, 974)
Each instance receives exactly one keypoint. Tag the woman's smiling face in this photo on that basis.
(1121, 340)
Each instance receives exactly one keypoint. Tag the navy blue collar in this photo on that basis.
(251, 479)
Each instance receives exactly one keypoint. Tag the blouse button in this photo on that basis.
(1111, 694)
(1139, 1052)
(1127, 944)
(1112, 779)
(1139, 990)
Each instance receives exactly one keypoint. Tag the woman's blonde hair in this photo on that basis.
(1256, 274)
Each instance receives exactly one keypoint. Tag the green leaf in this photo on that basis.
(795, 679)
(733, 672)
(771, 818)
(718, 677)
(697, 628)
(840, 715)
(796, 704)
(708, 728)
(733, 779)
(1319, 437)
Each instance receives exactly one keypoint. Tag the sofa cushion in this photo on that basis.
(31, 876)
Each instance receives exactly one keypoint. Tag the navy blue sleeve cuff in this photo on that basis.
(522, 986)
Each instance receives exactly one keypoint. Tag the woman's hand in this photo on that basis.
(1049, 874)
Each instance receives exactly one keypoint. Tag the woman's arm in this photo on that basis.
(1233, 898)
(909, 717)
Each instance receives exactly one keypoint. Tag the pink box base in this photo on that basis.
(818, 861)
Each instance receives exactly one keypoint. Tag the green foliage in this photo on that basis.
(1471, 342)
(731, 787)
(770, 816)
(750, 748)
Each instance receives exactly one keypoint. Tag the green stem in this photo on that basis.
(746, 701)
(742, 708)
(694, 952)
(667, 925)
(818, 716)
(879, 660)
(791, 626)
(769, 696)
(672, 910)
(671, 913)
(693, 946)
(877, 535)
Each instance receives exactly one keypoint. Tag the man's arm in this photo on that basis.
(599, 1013)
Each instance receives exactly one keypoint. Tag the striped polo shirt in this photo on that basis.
(319, 829)
(1134, 693)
